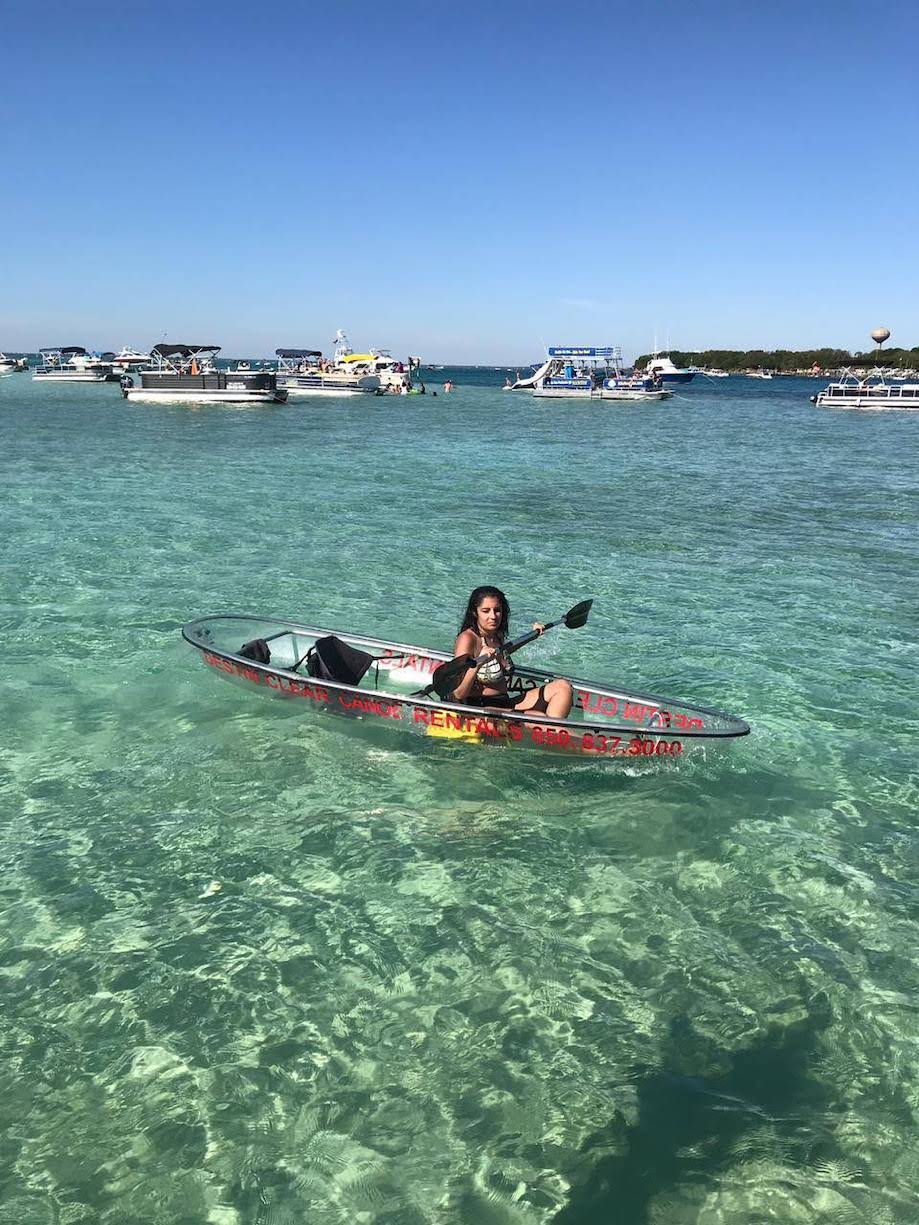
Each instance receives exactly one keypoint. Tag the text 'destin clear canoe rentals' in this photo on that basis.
(394, 684)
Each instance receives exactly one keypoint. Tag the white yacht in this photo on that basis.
(759, 374)
(7, 365)
(868, 391)
(188, 373)
(129, 359)
(660, 364)
(394, 375)
(72, 364)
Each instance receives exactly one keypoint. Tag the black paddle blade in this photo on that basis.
(445, 678)
(578, 615)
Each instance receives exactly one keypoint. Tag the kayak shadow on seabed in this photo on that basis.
(690, 1128)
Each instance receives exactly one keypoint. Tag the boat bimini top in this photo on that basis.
(178, 357)
(289, 359)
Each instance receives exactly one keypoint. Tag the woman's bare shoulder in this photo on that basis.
(466, 643)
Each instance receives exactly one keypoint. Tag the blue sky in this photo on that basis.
(467, 181)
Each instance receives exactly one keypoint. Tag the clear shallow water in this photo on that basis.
(256, 969)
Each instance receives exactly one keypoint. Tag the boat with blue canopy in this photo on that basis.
(587, 372)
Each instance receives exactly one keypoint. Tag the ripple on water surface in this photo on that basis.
(255, 969)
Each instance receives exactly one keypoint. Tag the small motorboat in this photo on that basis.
(396, 685)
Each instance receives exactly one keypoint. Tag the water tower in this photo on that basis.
(879, 335)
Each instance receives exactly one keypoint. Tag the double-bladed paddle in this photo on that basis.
(449, 674)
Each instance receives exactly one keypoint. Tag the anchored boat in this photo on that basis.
(394, 684)
(584, 372)
(868, 391)
(662, 367)
(72, 364)
(128, 360)
(305, 372)
(182, 373)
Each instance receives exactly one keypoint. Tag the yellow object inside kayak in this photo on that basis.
(455, 733)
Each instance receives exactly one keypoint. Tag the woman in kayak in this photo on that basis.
(483, 632)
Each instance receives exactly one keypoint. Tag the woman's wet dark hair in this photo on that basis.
(470, 621)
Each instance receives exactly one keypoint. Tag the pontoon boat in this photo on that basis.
(188, 373)
(72, 364)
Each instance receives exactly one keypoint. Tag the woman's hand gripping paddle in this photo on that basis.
(449, 675)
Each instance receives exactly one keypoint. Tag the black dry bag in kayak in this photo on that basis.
(256, 650)
(333, 660)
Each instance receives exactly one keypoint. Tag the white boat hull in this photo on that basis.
(331, 391)
(76, 376)
(329, 385)
(203, 396)
(566, 393)
(609, 393)
(875, 403)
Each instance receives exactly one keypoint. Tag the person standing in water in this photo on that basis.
(483, 632)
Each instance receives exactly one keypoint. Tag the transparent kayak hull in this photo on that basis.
(605, 723)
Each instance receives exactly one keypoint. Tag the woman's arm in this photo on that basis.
(465, 645)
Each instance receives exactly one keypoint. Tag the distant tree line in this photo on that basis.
(789, 359)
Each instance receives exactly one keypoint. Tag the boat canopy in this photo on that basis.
(298, 353)
(582, 351)
(172, 350)
(359, 357)
(69, 349)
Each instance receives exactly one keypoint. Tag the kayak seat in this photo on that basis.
(330, 659)
(256, 650)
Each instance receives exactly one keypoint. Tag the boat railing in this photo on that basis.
(880, 391)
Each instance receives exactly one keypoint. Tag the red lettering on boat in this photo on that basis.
(214, 661)
(487, 727)
(598, 703)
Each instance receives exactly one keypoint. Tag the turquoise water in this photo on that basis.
(257, 968)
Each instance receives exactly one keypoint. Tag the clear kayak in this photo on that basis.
(357, 677)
